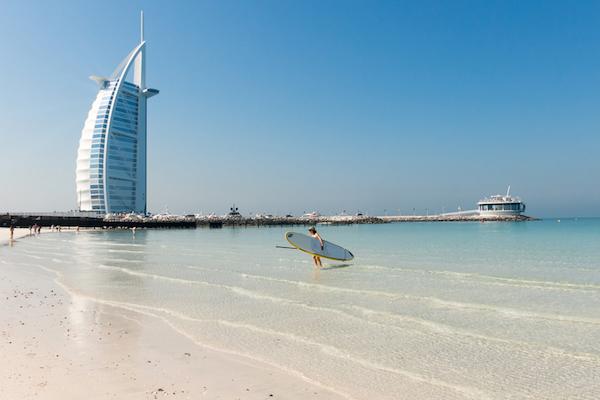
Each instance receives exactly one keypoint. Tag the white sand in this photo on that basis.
(58, 346)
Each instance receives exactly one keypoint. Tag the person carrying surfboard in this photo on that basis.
(313, 232)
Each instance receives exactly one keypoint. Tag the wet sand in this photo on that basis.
(59, 345)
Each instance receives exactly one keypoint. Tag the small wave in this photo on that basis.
(436, 302)
(489, 279)
(511, 312)
(235, 289)
(338, 353)
(434, 326)
(152, 276)
(34, 256)
(124, 260)
(45, 253)
(113, 244)
(125, 251)
(321, 287)
(541, 284)
(451, 330)
(46, 238)
(255, 295)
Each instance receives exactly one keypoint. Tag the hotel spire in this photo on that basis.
(142, 26)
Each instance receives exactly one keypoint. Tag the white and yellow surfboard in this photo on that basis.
(310, 245)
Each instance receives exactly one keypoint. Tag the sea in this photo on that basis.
(430, 310)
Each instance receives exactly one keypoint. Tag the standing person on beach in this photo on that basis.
(12, 232)
(313, 232)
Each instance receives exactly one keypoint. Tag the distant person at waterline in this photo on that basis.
(314, 234)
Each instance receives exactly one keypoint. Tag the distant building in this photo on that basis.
(111, 160)
(501, 205)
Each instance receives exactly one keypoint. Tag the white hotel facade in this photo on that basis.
(111, 159)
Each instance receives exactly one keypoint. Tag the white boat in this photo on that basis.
(233, 213)
(501, 205)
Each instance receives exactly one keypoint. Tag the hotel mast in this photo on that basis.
(111, 159)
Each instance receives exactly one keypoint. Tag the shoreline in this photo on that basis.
(19, 233)
(60, 344)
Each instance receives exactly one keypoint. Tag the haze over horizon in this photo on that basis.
(287, 107)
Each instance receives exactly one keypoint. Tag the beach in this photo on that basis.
(425, 311)
(57, 344)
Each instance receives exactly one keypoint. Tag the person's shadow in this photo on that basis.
(337, 266)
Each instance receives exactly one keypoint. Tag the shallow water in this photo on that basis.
(426, 310)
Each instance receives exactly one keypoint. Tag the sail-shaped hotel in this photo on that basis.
(111, 160)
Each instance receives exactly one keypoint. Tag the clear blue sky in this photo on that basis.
(291, 106)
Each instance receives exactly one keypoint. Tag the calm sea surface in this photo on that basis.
(425, 311)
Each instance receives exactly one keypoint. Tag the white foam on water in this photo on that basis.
(454, 331)
(125, 251)
(511, 312)
(431, 325)
(234, 289)
(34, 256)
(124, 260)
(487, 279)
(434, 301)
(115, 244)
(45, 253)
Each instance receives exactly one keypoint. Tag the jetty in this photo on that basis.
(457, 218)
(126, 221)
(88, 220)
(239, 221)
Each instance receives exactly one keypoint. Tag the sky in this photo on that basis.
(292, 106)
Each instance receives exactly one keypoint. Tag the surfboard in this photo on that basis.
(310, 245)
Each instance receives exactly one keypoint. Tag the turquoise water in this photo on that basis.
(425, 311)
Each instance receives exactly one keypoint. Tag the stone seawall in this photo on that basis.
(178, 222)
(283, 221)
(26, 221)
(457, 218)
